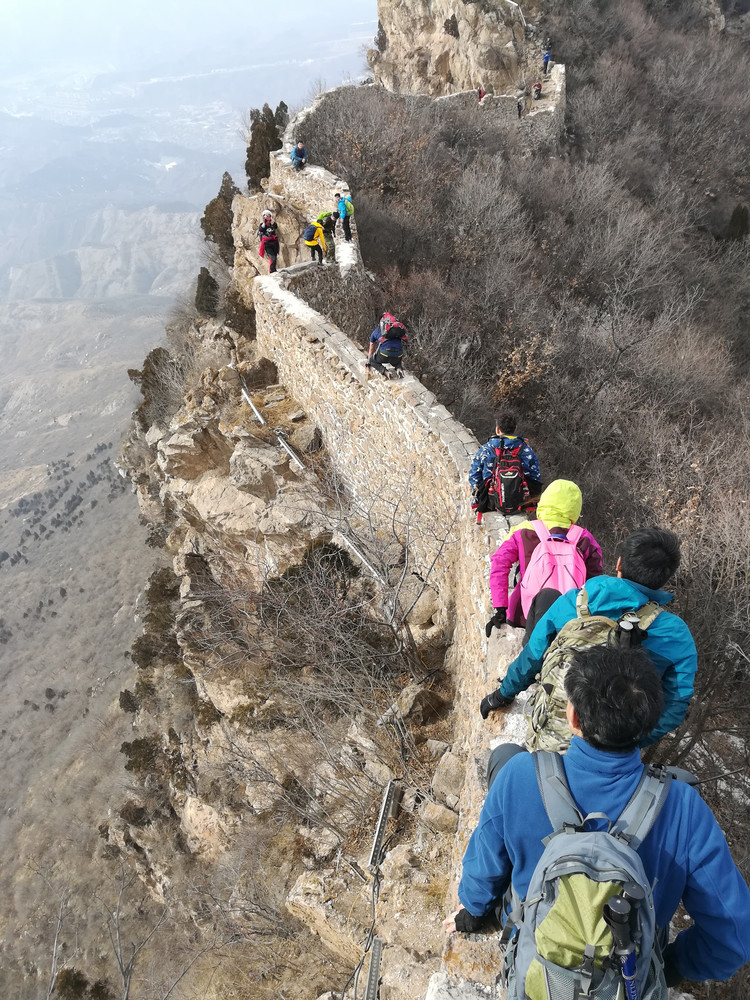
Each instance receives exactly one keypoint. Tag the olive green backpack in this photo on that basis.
(548, 725)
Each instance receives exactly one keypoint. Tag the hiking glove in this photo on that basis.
(468, 924)
(494, 701)
(496, 621)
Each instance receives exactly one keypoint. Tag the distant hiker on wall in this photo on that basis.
(545, 61)
(314, 238)
(345, 208)
(504, 474)
(299, 156)
(553, 555)
(481, 92)
(521, 104)
(328, 222)
(387, 345)
(269, 240)
(599, 613)
(536, 91)
(612, 700)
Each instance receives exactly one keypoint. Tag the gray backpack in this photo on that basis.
(564, 948)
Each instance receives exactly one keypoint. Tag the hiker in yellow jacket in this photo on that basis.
(314, 238)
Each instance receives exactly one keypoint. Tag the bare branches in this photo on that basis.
(126, 953)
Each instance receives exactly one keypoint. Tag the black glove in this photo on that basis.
(494, 701)
(498, 619)
(467, 924)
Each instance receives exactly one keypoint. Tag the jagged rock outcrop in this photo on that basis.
(444, 46)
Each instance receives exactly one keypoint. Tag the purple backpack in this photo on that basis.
(555, 562)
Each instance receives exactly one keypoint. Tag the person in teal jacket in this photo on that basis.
(649, 558)
(613, 695)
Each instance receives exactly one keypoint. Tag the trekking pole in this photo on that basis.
(617, 916)
(635, 895)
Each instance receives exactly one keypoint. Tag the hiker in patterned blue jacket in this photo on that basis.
(614, 698)
(505, 437)
(649, 558)
(387, 346)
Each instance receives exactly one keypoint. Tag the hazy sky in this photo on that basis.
(40, 36)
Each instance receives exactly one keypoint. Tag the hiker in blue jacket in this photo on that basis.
(649, 558)
(387, 346)
(505, 437)
(342, 203)
(614, 698)
(298, 156)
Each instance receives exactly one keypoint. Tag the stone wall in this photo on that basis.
(397, 448)
(343, 294)
(404, 460)
(541, 122)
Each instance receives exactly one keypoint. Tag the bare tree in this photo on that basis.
(120, 926)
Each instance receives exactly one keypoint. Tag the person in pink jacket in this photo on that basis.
(569, 555)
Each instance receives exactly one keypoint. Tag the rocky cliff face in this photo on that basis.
(441, 47)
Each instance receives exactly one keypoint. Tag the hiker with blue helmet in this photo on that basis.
(614, 700)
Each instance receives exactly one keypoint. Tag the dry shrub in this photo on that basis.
(523, 372)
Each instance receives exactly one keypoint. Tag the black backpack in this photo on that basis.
(507, 488)
(310, 234)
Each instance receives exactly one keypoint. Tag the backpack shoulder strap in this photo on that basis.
(553, 786)
(541, 530)
(582, 604)
(648, 614)
(645, 804)
(575, 533)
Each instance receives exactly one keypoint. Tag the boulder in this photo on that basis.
(260, 374)
(449, 779)
(306, 439)
(191, 448)
(202, 827)
(425, 599)
(420, 705)
(252, 465)
(438, 817)
(436, 748)
(312, 901)
(319, 841)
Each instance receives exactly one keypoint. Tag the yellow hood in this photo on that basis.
(559, 506)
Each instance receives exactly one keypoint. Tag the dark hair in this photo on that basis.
(617, 695)
(506, 422)
(650, 556)
(337, 195)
